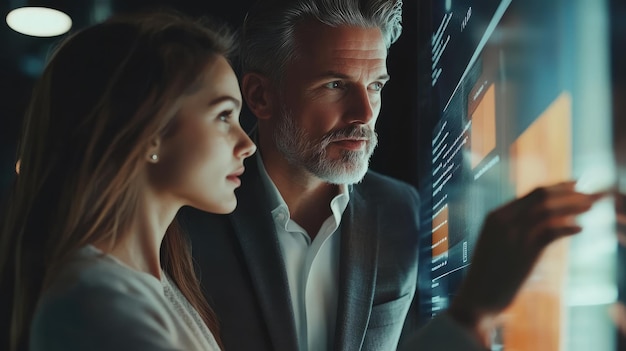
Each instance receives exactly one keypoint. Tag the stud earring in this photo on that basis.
(154, 157)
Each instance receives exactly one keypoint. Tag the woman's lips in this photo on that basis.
(234, 177)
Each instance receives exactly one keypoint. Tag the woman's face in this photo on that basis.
(201, 158)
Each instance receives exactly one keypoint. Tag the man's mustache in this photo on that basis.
(350, 132)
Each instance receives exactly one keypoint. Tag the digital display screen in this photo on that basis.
(521, 98)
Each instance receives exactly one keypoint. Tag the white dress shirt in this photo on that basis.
(312, 267)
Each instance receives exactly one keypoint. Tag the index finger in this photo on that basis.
(558, 198)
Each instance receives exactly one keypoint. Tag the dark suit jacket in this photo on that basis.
(244, 279)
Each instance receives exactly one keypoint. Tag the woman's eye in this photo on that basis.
(225, 116)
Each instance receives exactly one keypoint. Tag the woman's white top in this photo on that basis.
(97, 302)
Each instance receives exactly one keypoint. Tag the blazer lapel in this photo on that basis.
(254, 228)
(357, 272)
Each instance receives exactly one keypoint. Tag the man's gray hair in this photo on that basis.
(268, 42)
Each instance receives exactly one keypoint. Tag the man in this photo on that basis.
(321, 254)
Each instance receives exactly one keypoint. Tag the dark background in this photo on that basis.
(22, 59)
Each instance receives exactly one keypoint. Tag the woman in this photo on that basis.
(131, 120)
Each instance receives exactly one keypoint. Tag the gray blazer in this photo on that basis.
(244, 279)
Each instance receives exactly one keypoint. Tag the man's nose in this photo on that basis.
(361, 109)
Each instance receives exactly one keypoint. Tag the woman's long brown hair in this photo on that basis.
(106, 93)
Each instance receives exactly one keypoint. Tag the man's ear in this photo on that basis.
(258, 92)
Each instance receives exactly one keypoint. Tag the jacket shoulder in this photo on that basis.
(384, 188)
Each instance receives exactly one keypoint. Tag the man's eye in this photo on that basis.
(378, 86)
(334, 85)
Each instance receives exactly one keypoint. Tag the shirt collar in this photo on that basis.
(337, 205)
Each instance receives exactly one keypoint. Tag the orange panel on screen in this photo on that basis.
(483, 132)
(540, 156)
(440, 233)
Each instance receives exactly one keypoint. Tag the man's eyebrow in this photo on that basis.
(334, 74)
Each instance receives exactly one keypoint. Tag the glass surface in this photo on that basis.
(521, 97)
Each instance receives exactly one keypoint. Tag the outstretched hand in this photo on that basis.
(512, 239)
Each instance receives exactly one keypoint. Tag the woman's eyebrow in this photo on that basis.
(221, 99)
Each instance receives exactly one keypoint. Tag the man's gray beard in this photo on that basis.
(299, 150)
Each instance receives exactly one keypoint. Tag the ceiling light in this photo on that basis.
(39, 21)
